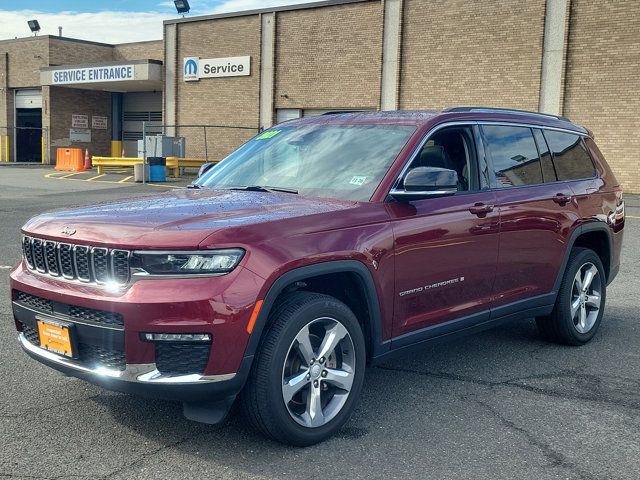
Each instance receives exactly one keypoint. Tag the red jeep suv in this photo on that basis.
(318, 247)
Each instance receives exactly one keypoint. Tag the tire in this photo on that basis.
(322, 391)
(567, 324)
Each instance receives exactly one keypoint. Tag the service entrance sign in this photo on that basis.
(195, 68)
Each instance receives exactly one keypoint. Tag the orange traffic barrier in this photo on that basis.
(69, 160)
(87, 160)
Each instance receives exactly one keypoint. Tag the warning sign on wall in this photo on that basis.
(79, 121)
(99, 123)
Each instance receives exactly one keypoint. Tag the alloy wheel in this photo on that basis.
(586, 297)
(318, 372)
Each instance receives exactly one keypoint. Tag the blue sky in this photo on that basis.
(114, 21)
(101, 6)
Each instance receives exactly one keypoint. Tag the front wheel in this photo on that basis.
(308, 372)
(579, 306)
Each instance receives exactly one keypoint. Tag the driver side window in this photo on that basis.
(452, 148)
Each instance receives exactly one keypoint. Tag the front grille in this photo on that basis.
(97, 316)
(78, 313)
(91, 356)
(36, 303)
(181, 359)
(31, 335)
(77, 262)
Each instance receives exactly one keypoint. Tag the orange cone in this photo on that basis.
(87, 160)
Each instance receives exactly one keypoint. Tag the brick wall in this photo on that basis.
(139, 51)
(603, 81)
(231, 101)
(456, 52)
(63, 102)
(65, 51)
(329, 57)
(25, 58)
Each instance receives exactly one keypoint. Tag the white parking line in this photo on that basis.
(5, 267)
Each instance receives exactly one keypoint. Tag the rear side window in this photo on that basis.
(570, 156)
(514, 155)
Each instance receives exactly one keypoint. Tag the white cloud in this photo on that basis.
(117, 27)
(107, 27)
(239, 5)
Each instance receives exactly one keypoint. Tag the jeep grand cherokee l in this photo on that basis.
(318, 247)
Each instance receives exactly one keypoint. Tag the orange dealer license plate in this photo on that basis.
(56, 337)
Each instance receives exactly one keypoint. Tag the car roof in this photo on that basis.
(428, 118)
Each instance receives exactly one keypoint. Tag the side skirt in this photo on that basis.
(408, 342)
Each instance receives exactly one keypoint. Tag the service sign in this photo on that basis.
(99, 123)
(195, 68)
(79, 121)
(113, 73)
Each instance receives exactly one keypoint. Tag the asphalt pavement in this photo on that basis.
(498, 405)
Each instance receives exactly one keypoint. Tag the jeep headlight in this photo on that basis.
(214, 262)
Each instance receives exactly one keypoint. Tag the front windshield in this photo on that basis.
(334, 161)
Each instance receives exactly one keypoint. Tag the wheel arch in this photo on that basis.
(352, 269)
(594, 235)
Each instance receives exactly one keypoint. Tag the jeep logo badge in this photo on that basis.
(68, 231)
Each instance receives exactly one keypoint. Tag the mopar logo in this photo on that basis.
(191, 68)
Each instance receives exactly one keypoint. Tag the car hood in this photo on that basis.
(179, 218)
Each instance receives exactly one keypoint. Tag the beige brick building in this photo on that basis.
(578, 58)
(36, 113)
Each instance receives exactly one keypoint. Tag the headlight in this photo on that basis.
(214, 262)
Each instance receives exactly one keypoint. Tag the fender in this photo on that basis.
(596, 226)
(324, 268)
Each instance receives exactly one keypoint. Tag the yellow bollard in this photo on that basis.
(6, 148)
(42, 149)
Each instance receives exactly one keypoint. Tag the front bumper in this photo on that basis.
(145, 379)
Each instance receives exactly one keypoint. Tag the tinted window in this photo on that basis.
(570, 156)
(514, 155)
(548, 172)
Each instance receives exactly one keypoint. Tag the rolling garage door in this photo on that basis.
(139, 107)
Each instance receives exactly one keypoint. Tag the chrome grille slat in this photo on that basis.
(101, 265)
(51, 258)
(77, 262)
(65, 253)
(81, 262)
(37, 246)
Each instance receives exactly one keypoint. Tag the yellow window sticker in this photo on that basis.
(269, 134)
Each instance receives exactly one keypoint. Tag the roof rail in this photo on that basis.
(338, 112)
(504, 110)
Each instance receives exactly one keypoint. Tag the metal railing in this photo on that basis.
(211, 142)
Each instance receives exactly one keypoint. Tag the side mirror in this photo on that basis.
(424, 182)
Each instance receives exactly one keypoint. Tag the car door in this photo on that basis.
(536, 216)
(446, 249)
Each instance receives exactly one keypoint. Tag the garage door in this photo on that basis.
(139, 107)
(29, 98)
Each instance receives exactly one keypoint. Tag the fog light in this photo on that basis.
(177, 337)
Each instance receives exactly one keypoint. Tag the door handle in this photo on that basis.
(480, 209)
(562, 199)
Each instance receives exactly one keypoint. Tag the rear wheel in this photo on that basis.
(308, 371)
(580, 303)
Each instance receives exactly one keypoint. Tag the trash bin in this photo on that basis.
(157, 169)
(137, 172)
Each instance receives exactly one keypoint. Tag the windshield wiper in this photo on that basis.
(194, 185)
(260, 188)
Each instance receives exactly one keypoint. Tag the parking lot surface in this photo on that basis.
(499, 405)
